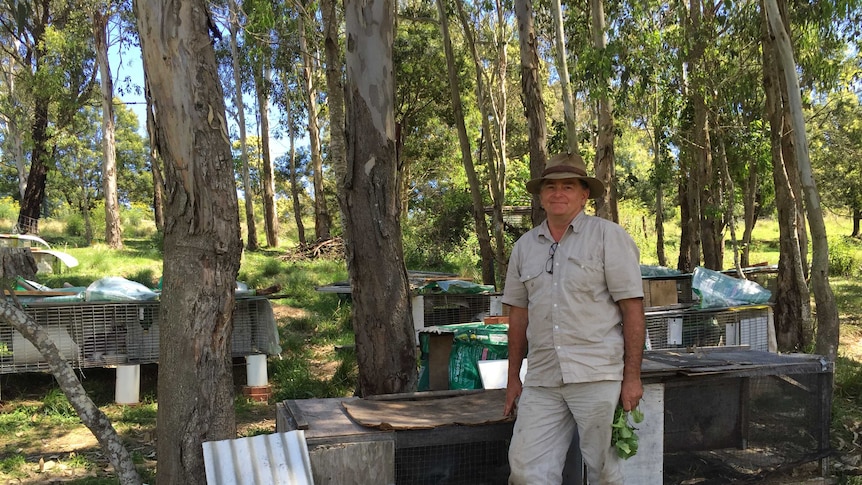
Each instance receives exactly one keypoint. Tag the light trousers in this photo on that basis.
(546, 423)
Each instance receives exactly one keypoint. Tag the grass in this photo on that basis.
(311, 326)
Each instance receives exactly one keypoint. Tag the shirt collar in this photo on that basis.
(544, 232)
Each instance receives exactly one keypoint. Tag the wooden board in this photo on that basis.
(471, 409)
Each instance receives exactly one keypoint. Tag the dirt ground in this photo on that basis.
(52, 453)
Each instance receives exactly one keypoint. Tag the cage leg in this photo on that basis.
(128, 385)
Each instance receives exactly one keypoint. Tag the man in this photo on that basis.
(576, 299)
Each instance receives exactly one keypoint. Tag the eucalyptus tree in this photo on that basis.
(101, 16)
(606, 204)
(202, 245)
(333, 50)
(76, 173)
(298, 57)
(259, 35)
(648, 44)
(482, 234)
(292, 130)
(385, 341)
(494, 28)
(14, 112)
(289, 97)
(78, 160)
(563, 73)
(531, 90)
(53, 50)
(235, 25)
(306, 28)
(827, 309)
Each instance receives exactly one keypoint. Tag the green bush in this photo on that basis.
(8, 208)
(56, 404)
(844, 256)
(75, 226)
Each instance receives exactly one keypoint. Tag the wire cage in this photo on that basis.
(685, 328)
(462, 455)
(99, 334)
(729, 431)
(478, 463)
(446, 309)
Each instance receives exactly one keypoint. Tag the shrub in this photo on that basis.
(844, 258)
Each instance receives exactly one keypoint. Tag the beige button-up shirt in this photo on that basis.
(574, 332)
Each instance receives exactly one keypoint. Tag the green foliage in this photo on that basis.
(845, 256)
(56, 404)
(75, 226)
(13, 464)
(137, 221)
(13, 420)
(623, 436)
(437, 226)
(8, 209)
(142, 414)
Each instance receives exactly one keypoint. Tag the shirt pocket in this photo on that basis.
(530, 278)
(585, 275)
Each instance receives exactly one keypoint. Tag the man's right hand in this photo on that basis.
(513, 392)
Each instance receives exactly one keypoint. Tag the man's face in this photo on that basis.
(563, 198)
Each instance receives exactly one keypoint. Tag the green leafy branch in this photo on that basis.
(623, 436)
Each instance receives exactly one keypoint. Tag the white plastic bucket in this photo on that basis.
(255, 367)
(128, 385)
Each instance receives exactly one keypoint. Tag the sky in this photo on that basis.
(127, 64)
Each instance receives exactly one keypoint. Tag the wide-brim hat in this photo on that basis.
(567, 166)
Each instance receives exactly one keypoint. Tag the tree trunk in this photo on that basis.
(202, 245)
(14, 122)
(267, 179)
(322, 220)
(334, 85)
(750, 204)
(792, 301)
(113, 229)
(19, 262)
(31, 202)
(382, 318)
(563, 70)
(606, 204)
(827, 310)
(689, 244)
(659, 197)
(294, 187)
(709, 207)
(531, 89)
(482, 234)
(155, 162)
(248, 193)
(727, 187)
(857, 216)
(483, 94)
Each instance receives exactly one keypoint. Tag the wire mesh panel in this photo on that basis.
(96, 334)
(142, 334)
(451, 309)
(465, 455)
(477, 463)
(248, 334)
(749, 326)
(732, 430)
(17, 354)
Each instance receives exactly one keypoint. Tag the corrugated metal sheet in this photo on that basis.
(271, 459)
